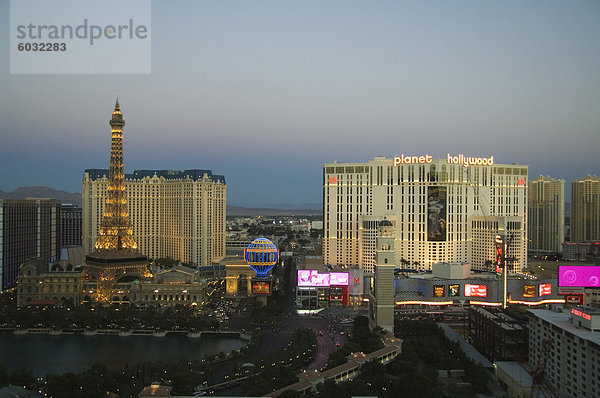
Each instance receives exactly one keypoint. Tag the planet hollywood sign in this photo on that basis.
(466, 161)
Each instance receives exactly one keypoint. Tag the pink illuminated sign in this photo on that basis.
(579, 275)
(311, 277)
(320, 279)
(545, 289)
(581, 314)
(475, 290)
(305, 277)
(338, 279)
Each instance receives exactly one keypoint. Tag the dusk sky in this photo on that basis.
(265, 92)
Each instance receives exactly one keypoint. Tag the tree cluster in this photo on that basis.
(99, 317)
(279, 368)
(362, 340)
(275, 306)
(413, 374)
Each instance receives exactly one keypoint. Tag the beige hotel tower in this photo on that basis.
(443, 210)
(175, 214)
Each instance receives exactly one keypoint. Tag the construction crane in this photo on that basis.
(540, 387)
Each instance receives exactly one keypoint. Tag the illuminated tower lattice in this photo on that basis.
(115, 231)
(115, 254)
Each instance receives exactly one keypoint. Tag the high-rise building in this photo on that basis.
(115, 254)
(175, 214)
(568, 342)
(585, 209)
(70, 230)
(546, 215)
(29, 228)
(443, 210)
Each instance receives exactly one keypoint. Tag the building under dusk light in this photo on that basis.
(585, 209)
(442, 210)
(568, 340)
(29, 228)
(70, 230)
(546, 215)
(175, 214)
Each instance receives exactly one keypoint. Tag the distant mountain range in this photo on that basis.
(64, 197)
(264, 211)
(287, 206)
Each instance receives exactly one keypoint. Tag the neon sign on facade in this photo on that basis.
(459, 159)
(581, 314)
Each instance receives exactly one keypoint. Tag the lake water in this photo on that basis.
(46, 354)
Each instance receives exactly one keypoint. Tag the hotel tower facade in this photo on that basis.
(175, 214)
(585, 209)
(442, 210)
(546, 215)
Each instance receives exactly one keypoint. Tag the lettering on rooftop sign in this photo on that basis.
(458, 159)
(581, 314)
(412, 159)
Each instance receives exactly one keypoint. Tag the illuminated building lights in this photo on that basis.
(424, 302)
(115, 255)
(261, 255)
(485, 303)
(115, 231)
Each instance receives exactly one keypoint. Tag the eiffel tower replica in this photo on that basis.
(115, 254)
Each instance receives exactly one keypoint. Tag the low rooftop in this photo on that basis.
(561, 319)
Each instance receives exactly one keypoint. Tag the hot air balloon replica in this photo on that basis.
(261, 255)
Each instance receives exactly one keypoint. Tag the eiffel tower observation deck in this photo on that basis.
(115, 254)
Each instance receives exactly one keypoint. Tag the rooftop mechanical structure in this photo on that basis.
(261, 255)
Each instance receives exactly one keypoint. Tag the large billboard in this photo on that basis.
(338, 279)
(436, 214)
(439, 290)
(579, 275)
(475, 290)
(499, 253)
(311, 277)
(529, 291)
(356, 282)
(454, 290)
(545, 289)
(261, 287)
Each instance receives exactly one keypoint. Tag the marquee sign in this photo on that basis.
(450, 159)
(475, 290)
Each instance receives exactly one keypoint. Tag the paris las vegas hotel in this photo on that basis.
(175, 214)
(443, 210)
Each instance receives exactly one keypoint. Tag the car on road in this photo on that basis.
(320, 333)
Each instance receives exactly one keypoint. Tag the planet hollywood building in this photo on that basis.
(443, 210)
